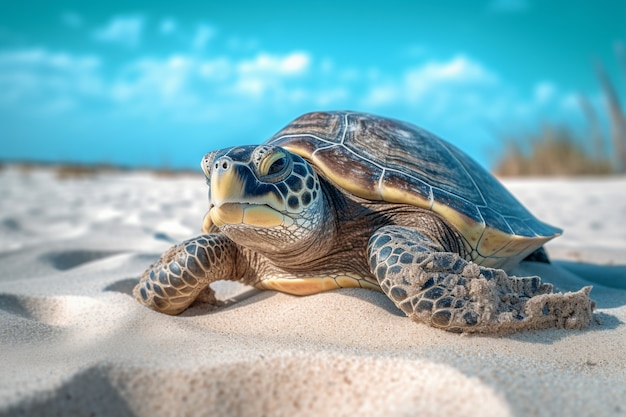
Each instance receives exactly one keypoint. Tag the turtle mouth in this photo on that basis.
(252, 214)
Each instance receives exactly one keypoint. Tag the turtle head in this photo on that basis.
(263, 197)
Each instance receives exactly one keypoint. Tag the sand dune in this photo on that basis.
(74, 342)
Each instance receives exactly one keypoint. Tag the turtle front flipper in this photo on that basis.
(433, 284)
(184, 272)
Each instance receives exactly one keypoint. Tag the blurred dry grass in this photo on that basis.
(76, 171)
(80, 171)
(68, 171)
(557, 150)
(551, 151)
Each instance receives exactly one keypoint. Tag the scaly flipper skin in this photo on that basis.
(184, 273)
(433, 285)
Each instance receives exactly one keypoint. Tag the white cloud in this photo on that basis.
(381, 95)
(267, 64)
(294, 63)
(459, 98)
(124, 30)
(185, 82)
(188, 85)
(437, 86)
(39, 57)
(48, 81)
(266, 72)
(460, 70)
(154, 80)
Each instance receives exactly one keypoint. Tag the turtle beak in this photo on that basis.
(236, 196)
(226, 184)
(226, 188)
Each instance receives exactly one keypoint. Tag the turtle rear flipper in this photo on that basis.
(435, 285)
(539, 255)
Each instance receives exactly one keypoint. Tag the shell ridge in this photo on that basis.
(458, 197)
(333, 145)
(452, 155)
(495, 254)
(431, 196)
(376, 164)
(480, 239)
(301, 135)
(345, 128)
(380, 182)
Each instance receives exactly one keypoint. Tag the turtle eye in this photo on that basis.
(277, 166)
(274, 166)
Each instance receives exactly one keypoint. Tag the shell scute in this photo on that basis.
(349, 171)
(465, 207)
(400, 187)
(519, 227)
(325, 125)
(494, 219)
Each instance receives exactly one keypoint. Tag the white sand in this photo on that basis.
(74, 342)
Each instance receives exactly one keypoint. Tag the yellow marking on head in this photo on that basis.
(207, 223)
(262, 216)
(231, 213)
(236, 213)
(224, 185)
(270, 199)
(227, 187)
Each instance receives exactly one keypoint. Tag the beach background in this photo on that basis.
(106, 110)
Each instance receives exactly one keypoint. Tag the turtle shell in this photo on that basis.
(382, 159)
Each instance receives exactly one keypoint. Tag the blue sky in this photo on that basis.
(155, 83)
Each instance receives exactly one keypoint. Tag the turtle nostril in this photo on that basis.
(224, 164)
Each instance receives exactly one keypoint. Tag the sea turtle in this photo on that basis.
(347, 199)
